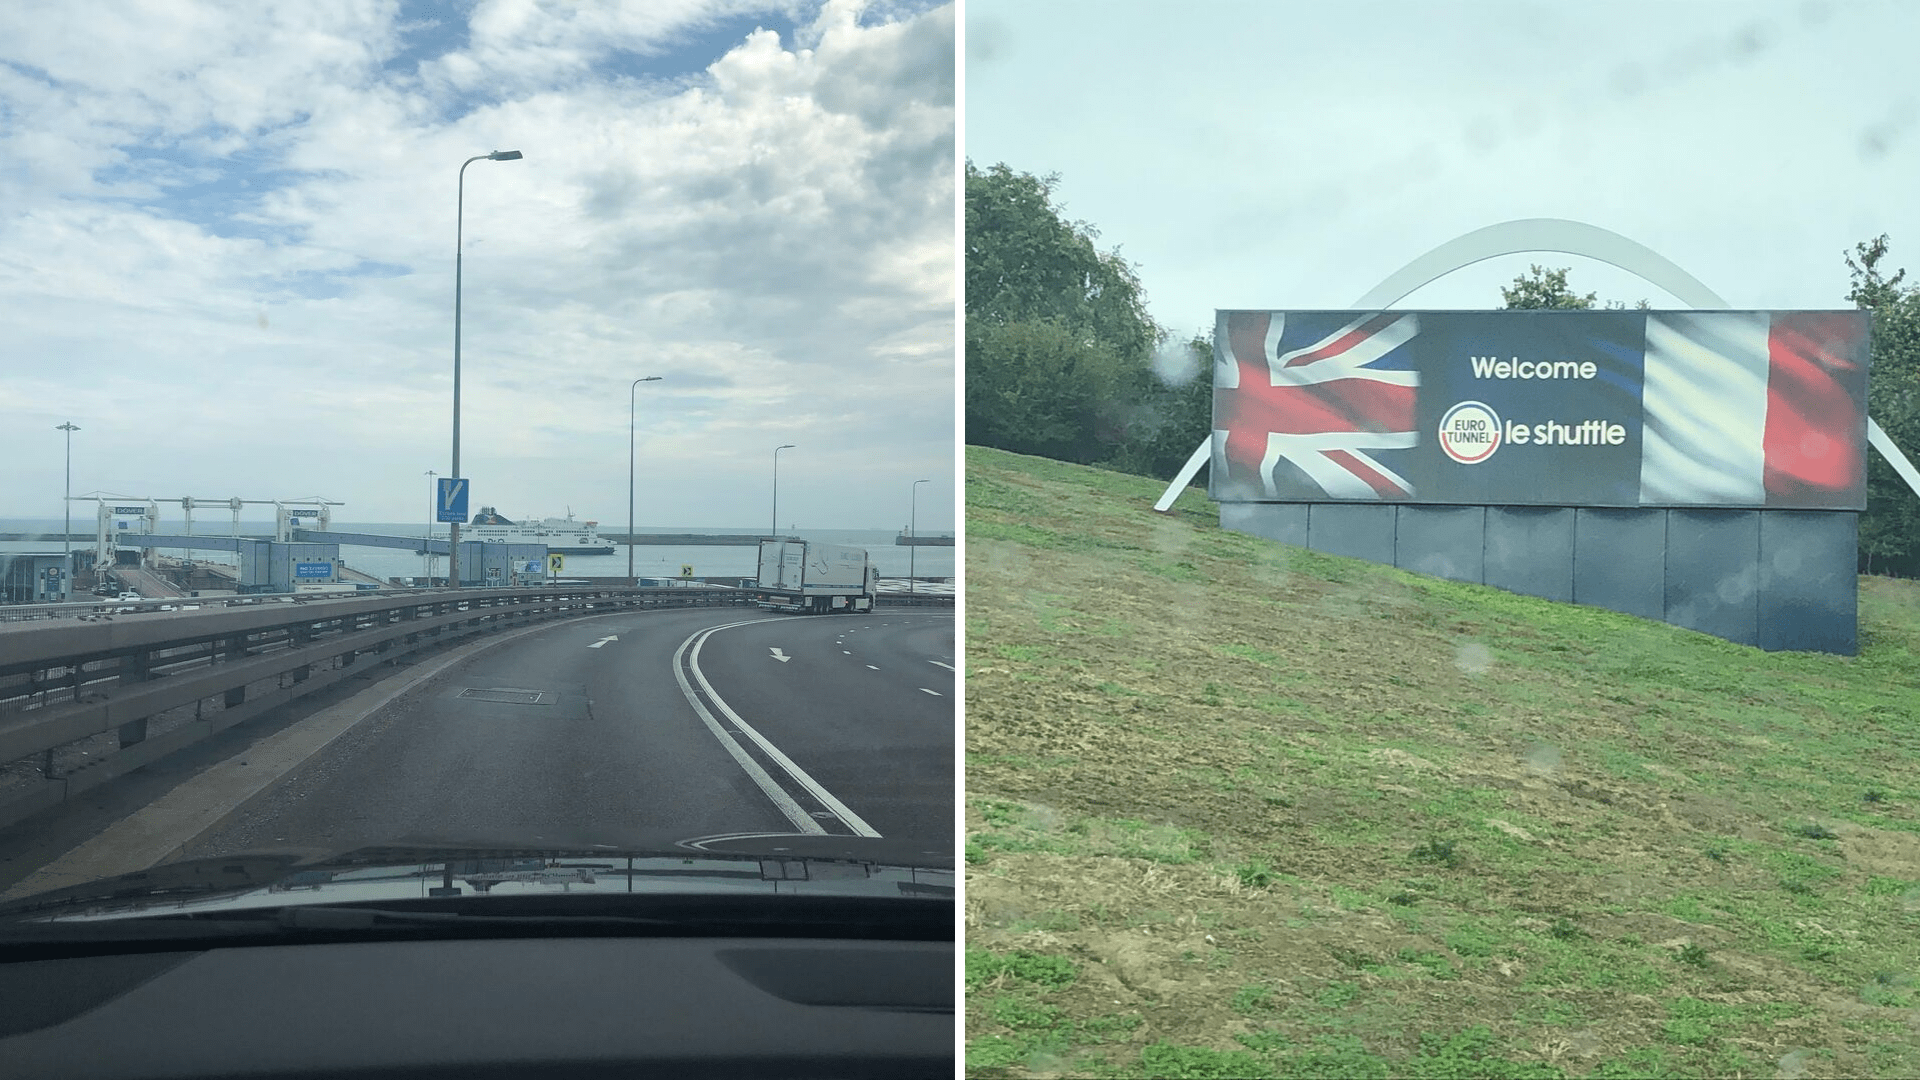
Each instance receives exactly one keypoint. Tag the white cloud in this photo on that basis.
(227, 252)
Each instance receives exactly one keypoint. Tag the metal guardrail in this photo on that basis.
(914, 600)
(88, 609)
(81, 695)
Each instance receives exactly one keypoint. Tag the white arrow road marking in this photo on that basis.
(937, 663)
(604, 640)
(777, 654)
(935, 693)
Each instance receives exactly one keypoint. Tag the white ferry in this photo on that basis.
(563, 536)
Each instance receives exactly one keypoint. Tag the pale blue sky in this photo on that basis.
(1292, 155)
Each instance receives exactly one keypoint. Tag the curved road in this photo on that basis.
(593, 730)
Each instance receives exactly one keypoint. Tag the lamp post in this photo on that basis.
(459, 212)
(66, 530)
(913, 530)
(776, 487)
(426, 545)
(631, 391)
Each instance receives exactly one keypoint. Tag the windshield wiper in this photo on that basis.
(890, 918)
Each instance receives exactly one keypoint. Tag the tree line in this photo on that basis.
(1063, 360)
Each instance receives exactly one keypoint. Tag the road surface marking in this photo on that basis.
(937, 663)
(870, 667)
(777, 654)
(604, 640)
(844, 652)
(847, 817)
(935, 693)
(768, 786)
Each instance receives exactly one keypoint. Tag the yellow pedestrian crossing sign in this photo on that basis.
(686, 569)
(556, 563)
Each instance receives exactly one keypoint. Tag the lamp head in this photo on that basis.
(505, 155)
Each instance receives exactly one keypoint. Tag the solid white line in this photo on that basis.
(935, 693)
(840, 810)
(937, 663)
(800, 818)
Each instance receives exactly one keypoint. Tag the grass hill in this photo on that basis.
(1236, 809)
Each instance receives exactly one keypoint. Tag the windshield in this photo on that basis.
(1441, 539)
(399, 404)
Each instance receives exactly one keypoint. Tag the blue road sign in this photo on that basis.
(450, 499)
(312, 570)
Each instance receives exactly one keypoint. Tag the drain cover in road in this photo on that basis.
(505, 695)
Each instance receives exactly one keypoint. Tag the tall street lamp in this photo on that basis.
(426, 546)
(776, 487)
(913, 530)
(66, 530)
(631, 391)
(453, 547)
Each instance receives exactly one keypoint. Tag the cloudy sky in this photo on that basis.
(227, 238)
(1292, 155)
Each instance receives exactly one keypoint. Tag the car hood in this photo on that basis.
(440, 869)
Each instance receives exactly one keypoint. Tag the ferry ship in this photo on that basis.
(563, 536)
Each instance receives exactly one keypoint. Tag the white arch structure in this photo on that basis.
(1527, 235)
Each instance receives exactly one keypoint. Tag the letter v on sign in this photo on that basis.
(452, 499)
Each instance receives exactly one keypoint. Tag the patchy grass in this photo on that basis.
(1239, 809)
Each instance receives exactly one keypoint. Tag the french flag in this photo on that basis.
(1752, 409)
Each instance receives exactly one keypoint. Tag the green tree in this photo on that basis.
(1058, 337)
(1041, 387)
(1542, 288)
(1173, 411)
(1890, 528)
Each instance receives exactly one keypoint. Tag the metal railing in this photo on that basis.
(85, 700)
(92, 609)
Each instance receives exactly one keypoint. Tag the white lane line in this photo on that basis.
(800, 818)
(848, 817)
(937, 663)
(604, 640)
(844, 652)
(777, 654)
(870, 667)
(935, 693)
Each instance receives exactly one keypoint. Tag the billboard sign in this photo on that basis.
(1559, 408)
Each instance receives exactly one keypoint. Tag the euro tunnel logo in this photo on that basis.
(1470, 432)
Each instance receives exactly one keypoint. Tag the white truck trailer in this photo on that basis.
(805, 575)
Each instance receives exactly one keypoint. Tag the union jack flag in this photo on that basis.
(1314, 405)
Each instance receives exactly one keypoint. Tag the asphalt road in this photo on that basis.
(593, 730)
